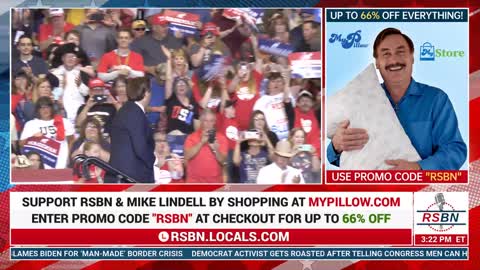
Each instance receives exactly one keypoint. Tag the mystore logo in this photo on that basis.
(429, 53)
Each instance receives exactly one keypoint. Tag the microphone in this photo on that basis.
(440, 200)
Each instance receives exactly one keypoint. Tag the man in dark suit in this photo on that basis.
(132, 143)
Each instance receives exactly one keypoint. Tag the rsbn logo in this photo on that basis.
(352, 40)
(427, 52)
(443, 219)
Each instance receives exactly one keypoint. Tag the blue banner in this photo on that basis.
(397, 15)
(176, 143)
(274, 47)
(239, 253)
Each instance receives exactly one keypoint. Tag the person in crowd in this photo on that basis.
(272, 103)
(210, 46)
(213, 95)
(73, 37)
(209, 58)
(237, 32)
(54, 30)
(182, 110)
(312, 37)
(278, 29)
(227, 125)
(50, 56)
(255, 157)
(112, 18)
(119, 88)
(36, 161)
(121, 61)
(139, 28)
(279, 172)
(100, 104)
(208, 81)
(71, 80)
(132, 144)
(91, 131)
(168, 166)
(42, 88)
(245, 89)
(50, 129)
(297, 39)
(33, 66)
(305, 158)
(21, 94)
(303, 116)
(96, 38)
(205, 152)
(149, 46)
(258, 122)
(95, 173)
(178, 63)
(22, 25)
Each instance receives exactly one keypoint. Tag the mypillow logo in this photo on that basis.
(427, 52)
(351, 40)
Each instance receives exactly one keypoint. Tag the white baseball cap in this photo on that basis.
(54, 12)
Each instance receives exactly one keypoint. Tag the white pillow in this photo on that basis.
(364, 102)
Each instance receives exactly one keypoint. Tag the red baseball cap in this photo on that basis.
(93, 83)
(210, 27)
(159, 20)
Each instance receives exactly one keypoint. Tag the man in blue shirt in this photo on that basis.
(425, 112)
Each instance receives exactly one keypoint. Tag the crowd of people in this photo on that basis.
(219, 107)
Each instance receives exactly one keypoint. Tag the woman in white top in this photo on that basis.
(47, 131)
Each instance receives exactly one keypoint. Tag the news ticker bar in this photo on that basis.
(353, 253)
(396, 177)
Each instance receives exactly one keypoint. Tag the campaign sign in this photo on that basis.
(176, 143)
(46, 147)
(213, 68)
(274, 47)
(306, 64)
(182, 21)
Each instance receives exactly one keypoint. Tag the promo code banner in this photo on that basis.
(273, 218)
(396, 177)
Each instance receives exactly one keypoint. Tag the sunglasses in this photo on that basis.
(139, 29)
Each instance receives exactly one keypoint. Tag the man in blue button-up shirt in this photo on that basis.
(425, 112)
